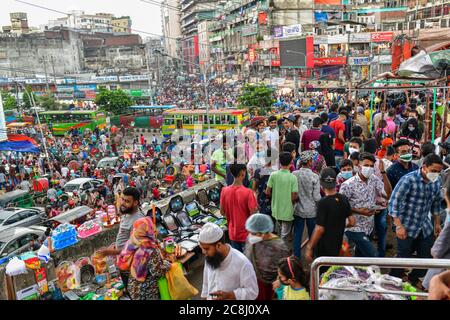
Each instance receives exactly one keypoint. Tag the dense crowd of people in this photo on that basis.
(295, 188)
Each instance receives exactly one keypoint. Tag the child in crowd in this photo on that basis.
(292, 281)
(346, 172)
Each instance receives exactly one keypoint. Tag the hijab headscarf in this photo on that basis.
(136, 253)
(415, 134)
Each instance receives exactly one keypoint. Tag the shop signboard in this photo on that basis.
(330, 61)
(387, 36)
(276, 63)
(79, 95)
(292, 31)
(249, 30)
(136, 93)
(4, 80)
(65, 88)
(278, 32)
(105, 79)
(385, 59)
(90, 95)
(142, 77)
(328, 2)
(358, 61)
(321, 40)
(85, 87)
(338, 39)
(251, 55)
(360, 37)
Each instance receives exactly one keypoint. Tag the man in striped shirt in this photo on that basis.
(416, 195)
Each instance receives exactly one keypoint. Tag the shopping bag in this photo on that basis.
(345, 250)
(179, 286)
(163, 289)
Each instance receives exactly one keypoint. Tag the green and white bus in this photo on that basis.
(60, 122)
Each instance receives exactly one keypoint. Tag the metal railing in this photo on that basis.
(366, 262)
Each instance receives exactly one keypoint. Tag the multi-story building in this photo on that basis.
(19, 23)
(203, 46)
(193, 12)
(171, 25)
(121, 25)
(78, 19)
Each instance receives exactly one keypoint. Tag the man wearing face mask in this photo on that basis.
(354, 145)
(404, 164)
(228, 274)
(264, 249)
(362, 191)
(415, 196)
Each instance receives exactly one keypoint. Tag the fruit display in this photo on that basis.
(68, 276)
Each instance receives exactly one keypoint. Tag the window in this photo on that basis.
(169, 121)
(187, 120)
(11, 247)
(23, 241)
(27, 214)
(196, 119)
(217, 119)
(211, 119)
(233, 120)
(13, 219)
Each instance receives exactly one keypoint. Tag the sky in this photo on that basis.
(144, 16)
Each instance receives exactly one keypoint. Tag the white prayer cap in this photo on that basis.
(210, 233)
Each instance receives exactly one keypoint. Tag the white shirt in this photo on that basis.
(235, 274)
(273, 136)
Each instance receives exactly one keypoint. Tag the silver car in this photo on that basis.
(16, 241)
(11, 218)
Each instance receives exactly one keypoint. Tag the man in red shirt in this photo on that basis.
(237, 203)
(338, 126)
(312, 134)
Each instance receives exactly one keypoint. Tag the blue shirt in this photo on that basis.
(396, 171)
(412, 200)
(332, 116)
(329, 130)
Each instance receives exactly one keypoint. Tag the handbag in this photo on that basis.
(179, 286)
(163, 287)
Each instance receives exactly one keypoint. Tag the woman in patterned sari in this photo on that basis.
(142, 257)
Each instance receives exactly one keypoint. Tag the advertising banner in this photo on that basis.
(85, 87)
(360, 37)
(292, 31)
(331, 61)
(387, 36)
(358, 61)
(278, 32)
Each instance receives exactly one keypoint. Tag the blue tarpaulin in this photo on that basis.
(19, 146)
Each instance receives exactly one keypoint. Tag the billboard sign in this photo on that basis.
(330, 61)
(292, 31)
(358, 61)
(298, 53)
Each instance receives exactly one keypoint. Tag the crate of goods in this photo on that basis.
(65, 235)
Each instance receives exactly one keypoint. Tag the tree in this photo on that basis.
(48, 102)
(114, 101)
(257, 96)
(9, 101)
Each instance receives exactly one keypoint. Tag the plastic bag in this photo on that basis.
(163, 287)
(15, 267)
(179, 286)
(44, 253)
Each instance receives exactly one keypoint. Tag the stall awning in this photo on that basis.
(19, 146)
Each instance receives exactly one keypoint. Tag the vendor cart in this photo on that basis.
(367, 262)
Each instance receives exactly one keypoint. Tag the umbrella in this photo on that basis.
(73, 165)
(425, 65)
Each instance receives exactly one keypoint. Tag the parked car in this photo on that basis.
(11, 218)
(16, 241)
(82, 185)
(108, 162)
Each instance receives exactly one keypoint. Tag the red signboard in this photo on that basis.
(262, 18)
(332, 61)
(328, 2)
(276, 63)
(309, 52)
(196, 51)
(382, 36)
(251, 55)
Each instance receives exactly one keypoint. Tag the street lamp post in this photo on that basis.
(31, 97)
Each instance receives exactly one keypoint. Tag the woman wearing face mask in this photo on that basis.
(264, 249)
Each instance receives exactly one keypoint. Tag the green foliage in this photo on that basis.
(257, 96)
(114, 101)
(48, 102)
(9, 101)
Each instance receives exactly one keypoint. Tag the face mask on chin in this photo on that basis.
(406, 157)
